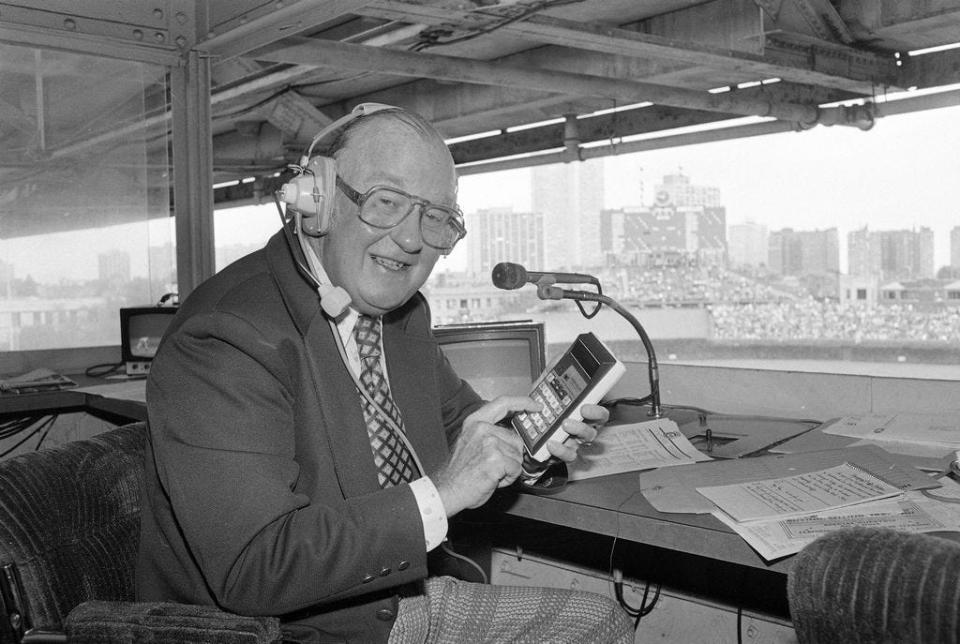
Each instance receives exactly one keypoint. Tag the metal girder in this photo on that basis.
(620, 124)
(625, 42)
(824, 20)
(931, 71)
(657, 143)
(192, 171)
(591, 128)
(360, 57)
(290, 112)
(269, 23)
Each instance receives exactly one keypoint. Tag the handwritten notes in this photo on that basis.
(788, 496)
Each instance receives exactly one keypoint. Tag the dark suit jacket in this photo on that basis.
(261, 493)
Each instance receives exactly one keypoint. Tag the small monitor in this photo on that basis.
(496, 358)
(141, 329)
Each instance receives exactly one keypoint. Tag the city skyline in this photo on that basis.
(899, 175)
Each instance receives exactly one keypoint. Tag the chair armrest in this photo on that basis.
(873, 585)
(165, 623)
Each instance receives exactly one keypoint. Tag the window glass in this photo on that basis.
(240, 230)
(834, 246)
(85, 224)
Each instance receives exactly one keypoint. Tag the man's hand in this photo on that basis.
(582, 431)
(485, 457)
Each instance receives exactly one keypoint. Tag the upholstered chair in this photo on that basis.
(876, 586)
(69, 530)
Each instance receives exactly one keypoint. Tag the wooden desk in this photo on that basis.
(71, 400)
(693, 552)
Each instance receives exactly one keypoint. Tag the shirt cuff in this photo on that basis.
(432, 512)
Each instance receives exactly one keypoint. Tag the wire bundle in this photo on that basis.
(16, 426)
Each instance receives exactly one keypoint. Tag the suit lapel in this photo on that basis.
(342, 416)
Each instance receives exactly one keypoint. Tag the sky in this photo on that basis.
(904, 172)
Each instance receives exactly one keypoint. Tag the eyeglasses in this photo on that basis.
(441, 227)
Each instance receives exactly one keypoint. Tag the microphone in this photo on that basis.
(509, 276)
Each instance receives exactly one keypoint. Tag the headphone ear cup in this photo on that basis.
(322, 173)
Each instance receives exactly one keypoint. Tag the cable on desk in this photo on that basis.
(103, 370)
(616, 576)
(13, 427)
(636, 612)
(447, 548)
(19, 425)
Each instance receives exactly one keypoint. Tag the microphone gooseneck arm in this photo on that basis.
(546, 291)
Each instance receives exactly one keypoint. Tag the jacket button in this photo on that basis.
(385, 614)
(368, 579)
(403, 565)
(385, 571)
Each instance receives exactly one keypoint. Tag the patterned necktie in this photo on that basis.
(394, 462)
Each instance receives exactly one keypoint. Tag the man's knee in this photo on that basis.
(610, 620)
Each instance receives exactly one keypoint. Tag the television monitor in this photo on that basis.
(141, 328)
(496, 358)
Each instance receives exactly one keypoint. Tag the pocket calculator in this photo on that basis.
(585, 372)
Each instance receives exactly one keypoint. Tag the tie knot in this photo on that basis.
(367, 334)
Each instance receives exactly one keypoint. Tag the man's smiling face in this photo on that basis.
(382, 268)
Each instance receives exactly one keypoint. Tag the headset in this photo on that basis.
(310, 196)
(312, 191)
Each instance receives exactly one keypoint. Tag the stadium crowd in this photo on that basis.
(809, 319)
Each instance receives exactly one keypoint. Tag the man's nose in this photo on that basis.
(407, 233)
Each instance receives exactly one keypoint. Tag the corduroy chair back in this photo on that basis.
(876, 586)
(70, 523)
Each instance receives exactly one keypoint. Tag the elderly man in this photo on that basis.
(304, 459)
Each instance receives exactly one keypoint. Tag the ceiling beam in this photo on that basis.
(254, 29)
(447, 68)
(626, 42)
(931, 70)
(823, 19)
(605, 127)
(289, 112)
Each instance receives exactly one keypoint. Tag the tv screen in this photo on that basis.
(496, 358)
(141, 329)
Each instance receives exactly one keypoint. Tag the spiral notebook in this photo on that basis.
(789, 496)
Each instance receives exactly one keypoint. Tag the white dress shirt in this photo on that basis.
(432, 512)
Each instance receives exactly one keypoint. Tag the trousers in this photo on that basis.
(451, 611)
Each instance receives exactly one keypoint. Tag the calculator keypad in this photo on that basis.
(554, 396)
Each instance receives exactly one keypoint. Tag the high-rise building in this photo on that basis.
(501, 235)
(747, 244)
(804, 252)
(677, 189)
(114, 265)
(6, 279)
(624, 235)
(570, 198)
(891, 254)
(955, 248)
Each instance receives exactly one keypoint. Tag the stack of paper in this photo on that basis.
(777, 517)
(37, 380)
